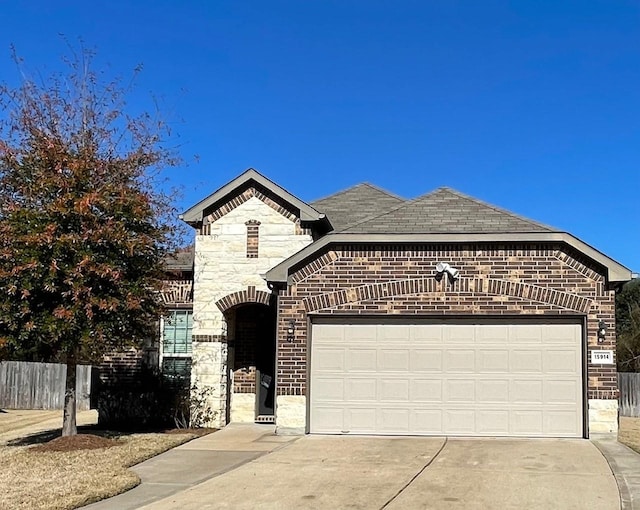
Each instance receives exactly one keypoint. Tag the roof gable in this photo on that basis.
(356, 204)
(195, 214)
(446, 211)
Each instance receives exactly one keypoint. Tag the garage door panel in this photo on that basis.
(330, 333)
(460, 360)
(493, 390)
(458, 334)
(525, 334)
(428, 334)
(426, 421)
(460, 390)
(426, 360)
(366, 333)
(330, 359)
(394, 421)
(493, 422)
(561, 361)
(560, 334)
(526, 361)
(527, 391)
(361, 420)
(330, 389)
(491, 335)
(560, 422)
(435, 379)
(394, 360)
(361, 360)
(394, 390)
(328, 420)
(460, 421)
(426, 390)
(389, 334)
(561, 391)
(493, 360)
(527, 422)
(361, 389)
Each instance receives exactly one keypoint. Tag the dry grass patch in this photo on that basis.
(57, 480)
(629, 432)
(16, 418)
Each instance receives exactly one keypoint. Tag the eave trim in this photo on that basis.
(616, 272)
(195, 214)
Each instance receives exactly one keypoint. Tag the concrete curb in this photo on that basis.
(625, 465)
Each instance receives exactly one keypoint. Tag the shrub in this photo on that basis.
(147, 401)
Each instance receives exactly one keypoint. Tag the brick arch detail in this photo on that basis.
(250, 295)
(432, 286)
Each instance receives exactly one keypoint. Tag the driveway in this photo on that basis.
(411, 473)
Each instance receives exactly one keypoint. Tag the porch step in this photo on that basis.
(266, 419)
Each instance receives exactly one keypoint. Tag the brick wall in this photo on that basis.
(507, 280)
(121, 368)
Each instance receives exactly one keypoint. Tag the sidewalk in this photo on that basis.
(625, 464)
(16, 424)
(195, 462)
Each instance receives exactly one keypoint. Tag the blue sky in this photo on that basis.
(531, 105)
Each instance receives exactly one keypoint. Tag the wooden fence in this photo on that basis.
(26, 385)
(629, 385)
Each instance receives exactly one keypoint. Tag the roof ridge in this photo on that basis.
(382, 190)
(388, 211)
(364, 183)
(464, 196)
(410, 203)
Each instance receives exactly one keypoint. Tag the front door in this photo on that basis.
(254, 348)
(265, 366)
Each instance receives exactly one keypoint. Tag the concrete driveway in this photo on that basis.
(411, 473)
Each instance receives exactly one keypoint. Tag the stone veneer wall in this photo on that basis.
(223, 268)
(507, 280)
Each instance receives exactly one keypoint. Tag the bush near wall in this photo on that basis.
(148, 401)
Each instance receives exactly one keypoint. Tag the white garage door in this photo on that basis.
(447, 379)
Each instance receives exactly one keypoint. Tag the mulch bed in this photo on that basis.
(93, 442)
(77, 442)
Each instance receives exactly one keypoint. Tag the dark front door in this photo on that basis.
(266, 365)
(255, 348)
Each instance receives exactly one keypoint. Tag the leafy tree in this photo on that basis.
(628, 326)
(84, 227)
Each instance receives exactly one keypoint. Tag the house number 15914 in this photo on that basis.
(602, 357)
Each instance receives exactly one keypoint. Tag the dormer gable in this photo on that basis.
(247, 185)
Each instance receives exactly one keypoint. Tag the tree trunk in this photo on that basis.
(69, 416)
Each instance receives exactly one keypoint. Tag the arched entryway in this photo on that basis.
(251, 361)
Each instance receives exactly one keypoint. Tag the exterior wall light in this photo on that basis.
(442, 268)
(602, 331)
(291, 331)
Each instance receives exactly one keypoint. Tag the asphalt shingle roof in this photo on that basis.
(181, 260)
(445, 211)
(356, 204)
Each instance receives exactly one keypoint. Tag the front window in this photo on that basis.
(176, 344)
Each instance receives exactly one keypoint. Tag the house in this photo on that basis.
(367, 313)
